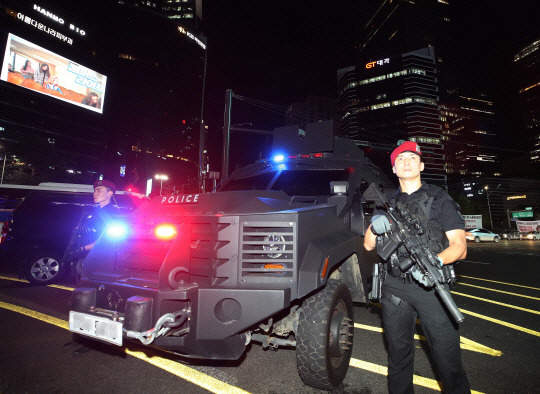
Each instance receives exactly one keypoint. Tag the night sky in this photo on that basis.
(281, 51)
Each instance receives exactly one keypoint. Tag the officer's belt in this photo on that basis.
(404, 277)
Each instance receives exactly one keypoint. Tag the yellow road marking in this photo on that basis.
(217, 386)
(498, 303)
(200, 379)
(499, 291)
(465, 344)
(501, 322)
(418, 380)
(25, 281)
(36, 315)
(502, 283)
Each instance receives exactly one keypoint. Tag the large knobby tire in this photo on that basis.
(44, 268)
(324, 338)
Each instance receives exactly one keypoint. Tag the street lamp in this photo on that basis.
(161, 178)
(489, 207)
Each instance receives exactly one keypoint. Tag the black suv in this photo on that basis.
(35, 236)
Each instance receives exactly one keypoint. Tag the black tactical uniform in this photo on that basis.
(98, 218)
(93, 222)
(404, 298)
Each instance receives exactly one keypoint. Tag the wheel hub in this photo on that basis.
(340, 332)
(45, 268)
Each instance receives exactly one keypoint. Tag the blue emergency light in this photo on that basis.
(116, 230)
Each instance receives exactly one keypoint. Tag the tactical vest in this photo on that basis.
(420, 208)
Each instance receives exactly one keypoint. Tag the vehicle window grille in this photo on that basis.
(268, 250)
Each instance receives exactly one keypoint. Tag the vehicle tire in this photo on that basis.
(324, 337)
(44, 268)
(496, 239)
(476, 239)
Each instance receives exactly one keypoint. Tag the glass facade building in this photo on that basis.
(148, 75)
(527, 62)
(390, 99)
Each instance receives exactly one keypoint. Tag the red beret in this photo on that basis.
(407, 146)
(103, 182)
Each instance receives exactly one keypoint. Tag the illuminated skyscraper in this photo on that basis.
(425, 83)
(393, 98)
(187, 13)
(527, 61)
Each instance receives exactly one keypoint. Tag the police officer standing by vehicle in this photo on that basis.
(93, 222)
(103, 195)
(86, 234)
(404, 294)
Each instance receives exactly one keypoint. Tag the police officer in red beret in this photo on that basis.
(404, 294)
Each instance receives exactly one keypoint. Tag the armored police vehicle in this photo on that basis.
(275, 256)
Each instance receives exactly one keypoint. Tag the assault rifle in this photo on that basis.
(72, 253)
(404, 231)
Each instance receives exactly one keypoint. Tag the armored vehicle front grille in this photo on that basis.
(267, 249)
(208, 238)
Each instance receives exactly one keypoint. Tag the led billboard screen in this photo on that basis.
(33, 67)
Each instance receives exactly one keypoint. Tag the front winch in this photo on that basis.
(164, 324)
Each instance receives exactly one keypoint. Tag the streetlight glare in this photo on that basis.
(161, 178)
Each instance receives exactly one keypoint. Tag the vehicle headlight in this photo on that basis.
(274, 246)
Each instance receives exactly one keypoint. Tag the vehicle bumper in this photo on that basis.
(216, 327)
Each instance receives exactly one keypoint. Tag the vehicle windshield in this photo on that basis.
(312, 182)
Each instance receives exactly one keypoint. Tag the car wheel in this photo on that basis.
(476, 239)
(44, 268)
(496, 239)
(324, 338)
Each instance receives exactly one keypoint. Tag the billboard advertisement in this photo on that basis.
(526, 226)
(472, 221)
(33, 67)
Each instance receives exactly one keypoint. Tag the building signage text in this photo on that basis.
(378, 63)
(472, 221)
(58, 19)
(43, 28)
(190, 35)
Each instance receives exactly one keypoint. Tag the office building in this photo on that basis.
(144, 72)
(187, 13)
(394, 98)
(527, 65)
(460, 147)
(468, 136)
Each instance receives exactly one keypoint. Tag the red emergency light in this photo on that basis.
(165, 231)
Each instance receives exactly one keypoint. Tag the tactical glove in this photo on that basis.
(380, 224)
(419, 276)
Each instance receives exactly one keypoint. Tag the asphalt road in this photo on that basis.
(498, 292)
